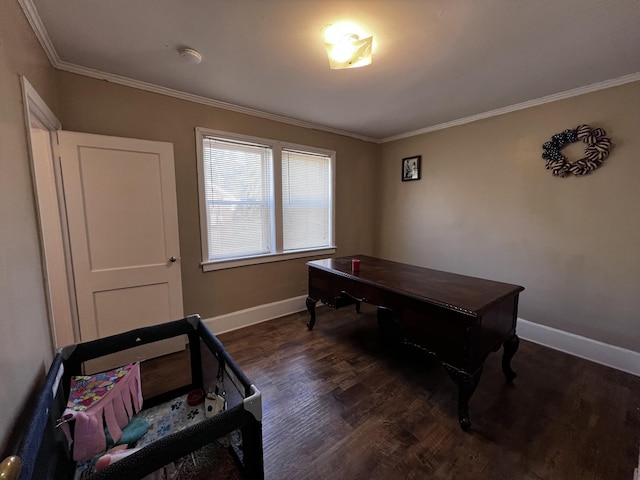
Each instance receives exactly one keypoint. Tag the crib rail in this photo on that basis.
(39, 451)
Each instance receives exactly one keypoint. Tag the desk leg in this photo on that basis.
(311, 306)
(390, 333)
(510, 348)
(467, 383)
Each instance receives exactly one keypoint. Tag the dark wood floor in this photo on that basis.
(336, 405)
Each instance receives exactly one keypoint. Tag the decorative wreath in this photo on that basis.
(597, 150)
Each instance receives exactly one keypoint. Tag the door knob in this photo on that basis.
(10, 468)
(172, 259)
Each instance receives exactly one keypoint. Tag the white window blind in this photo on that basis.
(306, 200)
(238, 198)
(262, 200)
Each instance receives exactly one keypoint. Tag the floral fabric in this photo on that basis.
(88, 389)
(109, 398)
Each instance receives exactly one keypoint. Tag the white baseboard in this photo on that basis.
(251, 316)
(593, 350)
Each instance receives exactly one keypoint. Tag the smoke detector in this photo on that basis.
(190, 55)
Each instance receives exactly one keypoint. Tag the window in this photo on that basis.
(262, 200)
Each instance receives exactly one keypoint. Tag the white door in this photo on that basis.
(120, 200)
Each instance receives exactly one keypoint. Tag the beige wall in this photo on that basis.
(25, 345)
(487, 207)
(92, 106)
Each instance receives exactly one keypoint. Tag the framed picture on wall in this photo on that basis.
(411, 168)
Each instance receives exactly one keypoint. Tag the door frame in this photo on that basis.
(54, 241)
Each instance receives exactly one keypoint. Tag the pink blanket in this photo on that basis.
(114, 396)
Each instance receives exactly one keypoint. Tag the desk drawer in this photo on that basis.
(450, 335)
(326, 287)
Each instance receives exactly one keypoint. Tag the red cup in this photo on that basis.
(355, 265)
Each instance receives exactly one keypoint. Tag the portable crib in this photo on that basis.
(42, 451)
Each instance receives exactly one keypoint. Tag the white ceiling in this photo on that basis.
(435, 61)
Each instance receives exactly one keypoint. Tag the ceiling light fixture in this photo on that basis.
(190, 55)
(346, 49)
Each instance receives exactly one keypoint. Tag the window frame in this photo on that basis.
(277, 254)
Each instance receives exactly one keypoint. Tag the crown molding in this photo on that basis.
(39, 29)
(43, 37)
(614, 82)
(150, 87)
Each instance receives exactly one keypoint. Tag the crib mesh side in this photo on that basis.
(235, 429)
(170, 449)
(246, 439)
(39, 445)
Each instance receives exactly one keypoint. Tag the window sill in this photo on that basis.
(272, 257)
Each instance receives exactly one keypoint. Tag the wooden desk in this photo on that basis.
(459, 319)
